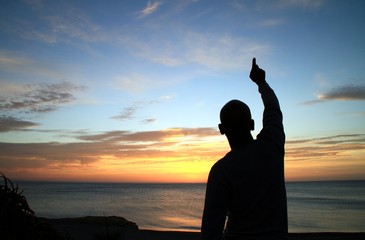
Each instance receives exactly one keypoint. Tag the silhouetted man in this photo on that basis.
(247, 185)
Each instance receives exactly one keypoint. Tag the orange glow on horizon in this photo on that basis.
(187, 159)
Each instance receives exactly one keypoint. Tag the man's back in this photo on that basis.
(248, 185)
(257, 202)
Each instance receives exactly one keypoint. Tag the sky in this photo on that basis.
(130, 91)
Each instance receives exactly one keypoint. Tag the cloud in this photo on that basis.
(341, 138)
(17, 67)
(238, 5)
(47, 153)
(157, 136)
(135, 83)
(183, 47)
(149, 120)
(35, 4)
(149, 9)
(75, 24)
(121, 150)
(221, 52)
(128, 113)
(271, 23)
(38, 98)
(326, 158)
(8, 124)
(66, 26)
(307, 4)
(330, 146)
(348, 92)
(6, 60)
(124, 147)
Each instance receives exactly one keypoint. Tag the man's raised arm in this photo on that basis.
(273, 129)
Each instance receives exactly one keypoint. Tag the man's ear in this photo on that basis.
(252, 125)
(221, 128)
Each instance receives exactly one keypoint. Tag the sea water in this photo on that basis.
(312, 206)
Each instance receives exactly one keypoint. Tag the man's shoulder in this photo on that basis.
(245, 155)
(230, 158)
(221, 162)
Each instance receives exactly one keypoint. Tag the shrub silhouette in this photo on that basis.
(17, 219)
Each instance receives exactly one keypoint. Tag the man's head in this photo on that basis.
(235, 118)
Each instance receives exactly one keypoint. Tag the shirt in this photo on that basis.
(247, 185)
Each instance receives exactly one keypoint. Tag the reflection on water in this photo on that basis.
(312, 206)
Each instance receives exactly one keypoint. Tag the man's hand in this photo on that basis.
(257, 74)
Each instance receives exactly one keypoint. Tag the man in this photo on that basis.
(247, 185)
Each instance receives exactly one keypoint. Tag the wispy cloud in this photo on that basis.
(203, 49)
(331, 146)
(38, 98)
(128, 113)
(180, 47)
(6, 60)
(18, 67)
(222, 52)
(124, 147)
(350, 92)
(135, 83)
(35, 4)
(308, 4)
(314, 157)
(75, 24)
(271, 22)
(8, 124)
(158, 136)
(149, 120)
(138, 83)
(335, 139)
(149, 9)
(331, 157)
(347, 92)
(67, 27)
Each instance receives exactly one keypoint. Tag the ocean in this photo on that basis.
(336, 206)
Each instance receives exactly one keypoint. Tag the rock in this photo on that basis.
(92, 227)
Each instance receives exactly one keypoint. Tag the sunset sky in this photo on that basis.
(130, 91)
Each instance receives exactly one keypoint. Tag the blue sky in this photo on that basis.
(74, 72)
